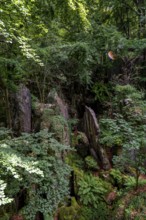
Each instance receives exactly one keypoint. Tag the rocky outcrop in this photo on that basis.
(91, 128)
(47, 118)
(21, 110)
(53, 116)
(40, 121)
(59, 103)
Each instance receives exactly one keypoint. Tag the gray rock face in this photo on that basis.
(21, 110)
(61, 105)
(91, 128)
(53, 116)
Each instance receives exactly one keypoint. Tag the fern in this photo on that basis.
(92, 190)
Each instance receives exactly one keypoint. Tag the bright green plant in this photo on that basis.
(92, 190)
(117, 177)
(130, 182)
(71, 212)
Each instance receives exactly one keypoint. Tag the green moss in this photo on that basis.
(74, 202)
(60, 127)
(70, 213)
(77, 164)
(75, 212)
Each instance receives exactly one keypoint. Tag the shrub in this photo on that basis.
(33, 162)
(126, 129)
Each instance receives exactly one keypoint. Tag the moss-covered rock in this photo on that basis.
(46, 117)
(78, 165)
(81, 144)
(56, 124)
(70, 213)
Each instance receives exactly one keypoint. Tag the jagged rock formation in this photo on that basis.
(61, 105)
(38, 122)
(53, 116)
(91, 128)
(21, 110)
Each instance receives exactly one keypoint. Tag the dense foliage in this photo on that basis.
(126, 129)
(31, 166)
(94, 53)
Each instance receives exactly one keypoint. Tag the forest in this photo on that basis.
(72, 110)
